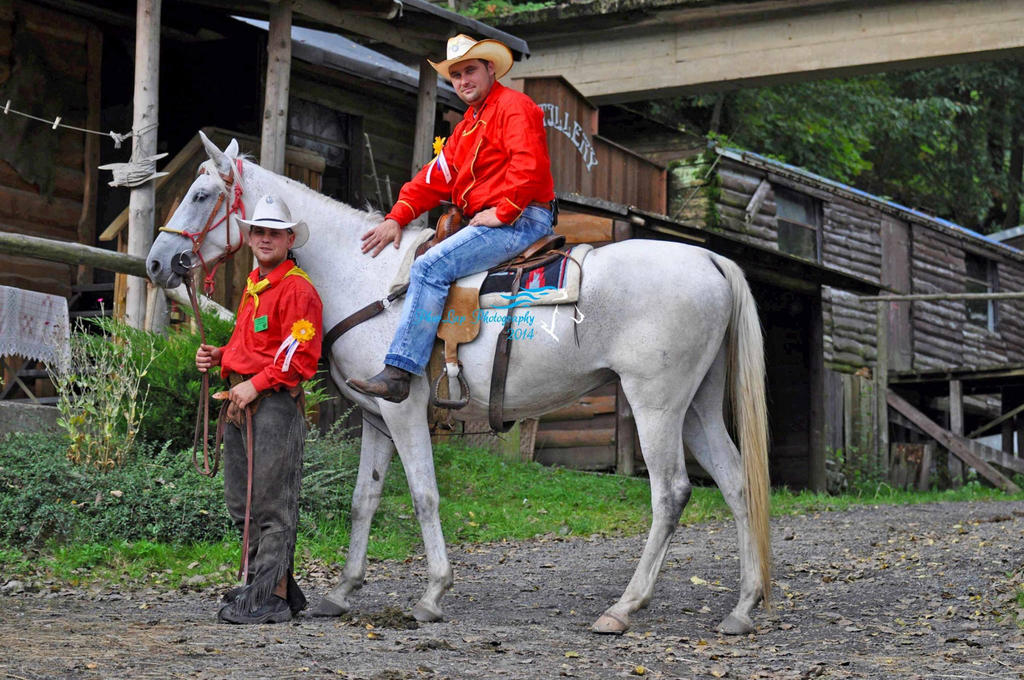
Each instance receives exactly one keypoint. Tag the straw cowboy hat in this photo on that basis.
(462, 47)
(272, 213)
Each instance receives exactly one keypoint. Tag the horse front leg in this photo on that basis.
(375, 455)
(411, 432)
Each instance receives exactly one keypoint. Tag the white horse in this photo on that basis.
(674, 323)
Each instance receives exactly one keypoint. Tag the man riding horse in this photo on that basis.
(495, 168)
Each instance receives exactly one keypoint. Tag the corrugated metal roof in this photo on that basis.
(341, 54)
(834, 186)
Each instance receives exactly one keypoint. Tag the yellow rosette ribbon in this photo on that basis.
(302, 331)
(439, 161)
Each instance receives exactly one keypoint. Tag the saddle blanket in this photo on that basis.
(555, 283)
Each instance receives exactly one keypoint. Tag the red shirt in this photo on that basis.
(497, 158)
(264, 322)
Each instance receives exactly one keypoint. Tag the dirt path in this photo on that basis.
(888, 592)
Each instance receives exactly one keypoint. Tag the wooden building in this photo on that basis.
(352, 112)
(49, 67)
(811, 249)
(932, 351)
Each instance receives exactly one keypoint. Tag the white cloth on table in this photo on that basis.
(35, 326)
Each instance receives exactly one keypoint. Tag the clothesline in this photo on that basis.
(56, 123)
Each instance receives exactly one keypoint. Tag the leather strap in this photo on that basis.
(357, 317)
(243, 570)
(499, 371)
(203, 407)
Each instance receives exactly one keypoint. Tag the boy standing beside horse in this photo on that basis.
(275, 345)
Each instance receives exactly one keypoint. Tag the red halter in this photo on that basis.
(236, 206)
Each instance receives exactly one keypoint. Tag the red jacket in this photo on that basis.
(266, 321)
(497, 158)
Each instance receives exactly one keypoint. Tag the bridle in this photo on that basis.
(234, 188)
(182, 264)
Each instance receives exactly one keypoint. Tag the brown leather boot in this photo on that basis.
(391, 384)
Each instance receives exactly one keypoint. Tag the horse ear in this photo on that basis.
(232, 150)
(219, 158)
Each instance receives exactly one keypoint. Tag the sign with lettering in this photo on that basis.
(555, 118)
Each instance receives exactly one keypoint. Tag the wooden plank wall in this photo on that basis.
(737, 184)
(851, 241)
(942, 337)
(72, 48)
(620, 175)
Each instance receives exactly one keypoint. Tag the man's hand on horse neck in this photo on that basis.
(388, 231)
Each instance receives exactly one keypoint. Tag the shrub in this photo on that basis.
(101, 393)
(154, 495)
(174, 383)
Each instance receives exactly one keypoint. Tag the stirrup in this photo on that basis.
(454, 404)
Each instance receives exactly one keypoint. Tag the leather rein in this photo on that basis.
(182, 265)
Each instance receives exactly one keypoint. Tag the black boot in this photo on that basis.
(274, 610)
(296, 600)
(391, 384)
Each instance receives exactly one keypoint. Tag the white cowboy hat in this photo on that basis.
(462, 47)
(272, 213)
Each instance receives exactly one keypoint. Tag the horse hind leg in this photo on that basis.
(707, 439)
(375, 454)
(660, 431)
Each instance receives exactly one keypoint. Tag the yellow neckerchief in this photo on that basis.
(254, 288)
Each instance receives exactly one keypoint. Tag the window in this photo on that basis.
(329, 133)
(798, 217)
(981, 278)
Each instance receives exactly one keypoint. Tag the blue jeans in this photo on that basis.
(469, 250)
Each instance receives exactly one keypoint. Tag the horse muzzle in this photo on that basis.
(169, 273)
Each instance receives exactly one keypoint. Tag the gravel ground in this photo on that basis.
(920, 591)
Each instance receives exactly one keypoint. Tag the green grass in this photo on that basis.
(483, 499)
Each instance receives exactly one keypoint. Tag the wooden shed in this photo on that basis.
(930, 350)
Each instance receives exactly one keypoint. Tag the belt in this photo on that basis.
(537, 204)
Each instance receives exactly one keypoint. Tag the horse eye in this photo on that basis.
(199, 197)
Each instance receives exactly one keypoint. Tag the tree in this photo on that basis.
(948, 141)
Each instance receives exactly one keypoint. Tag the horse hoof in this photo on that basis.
(610, 624)
(424, 614)
(327, 608)
(736, 624)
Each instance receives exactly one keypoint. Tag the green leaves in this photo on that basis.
(942, 140)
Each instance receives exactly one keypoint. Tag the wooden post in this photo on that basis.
(146, 107)
(956, 426)
(528, 439)
(816, 474)
(275, 98)
(625, 434)
(924, 476)
(882, 386)
(426, 111)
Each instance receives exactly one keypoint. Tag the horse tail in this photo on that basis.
(746, 387)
